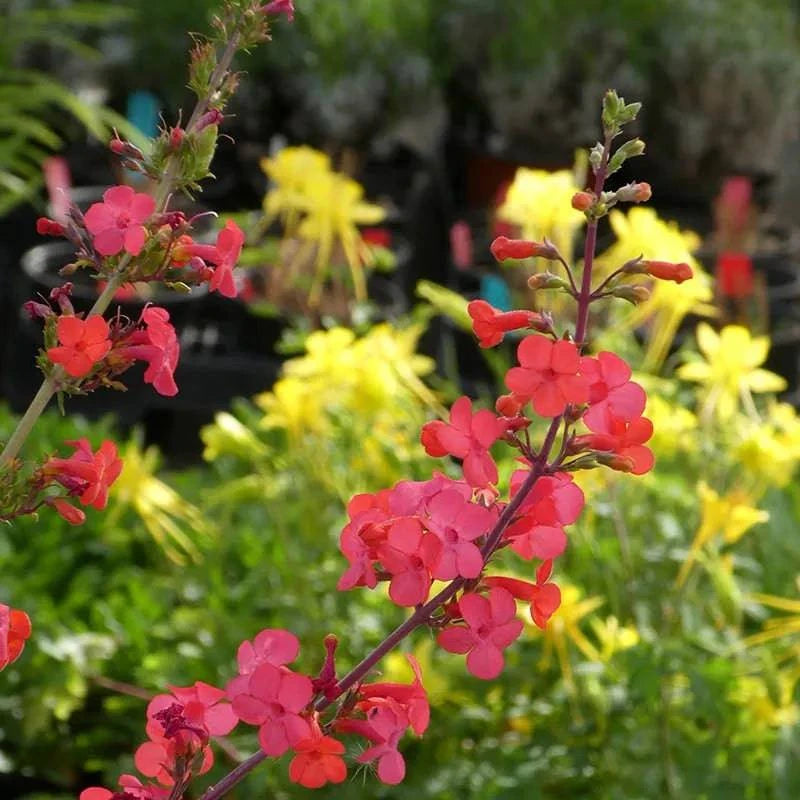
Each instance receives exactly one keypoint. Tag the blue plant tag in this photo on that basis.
(494, 290)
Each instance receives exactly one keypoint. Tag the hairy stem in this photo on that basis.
(162, 194)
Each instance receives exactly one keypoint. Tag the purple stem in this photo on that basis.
(423, 614)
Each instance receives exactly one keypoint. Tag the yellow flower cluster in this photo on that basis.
(322, 208)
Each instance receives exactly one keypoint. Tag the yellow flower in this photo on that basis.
(642, 233)
(322, 207)
(291, 171)
(730, 516)
(769, 449)
(167, 516)
(540, 203)
(674, 427)
(770, 709)
(730, 372)
(613, 637)
(563, 628)
(776, 627)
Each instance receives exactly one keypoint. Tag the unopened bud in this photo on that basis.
(176, 135)
(507, 405)
(280, 7)
(49, 227)
(634, 193)
(615, 461)
(546, 280)
(212, 117)
(581, 201)
(633, 294)
(120, 147)
(69, 512)
(37, 310)
(504, 248)
(667, 271)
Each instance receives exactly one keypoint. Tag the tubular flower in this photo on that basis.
(625, 438)
(116, 223)
(503, 248)
(491, 325)
(157, 343)
(87, 474)
(224, 255)
(548, 375)
(82, 344)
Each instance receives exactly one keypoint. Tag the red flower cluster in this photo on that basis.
(85, 474)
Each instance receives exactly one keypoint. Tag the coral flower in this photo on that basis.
(549, 375)
(491, 325)
(90, 474)
(15, 628)
(83, 343)
(116, 223)
(491, 627)
(157, 343)
(318, 760)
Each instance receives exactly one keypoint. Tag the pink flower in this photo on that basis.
(386, 725)
(412, 498)
(157, 343)
(469, 437)
(224, 254)
(83, 343)
(549, 375)
(280, 7)
(610, 388)
(130, 786)
(456, 524)
(403, 556)
(116, 223)
(412, 697)
(491, 325)
(625, 438)
(202, 707)
(491, 626)
(90, 474)
(273, 697)
(271, 646)
(544, 597)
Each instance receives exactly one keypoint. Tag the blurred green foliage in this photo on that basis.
(33, 101)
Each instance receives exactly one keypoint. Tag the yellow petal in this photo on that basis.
(762, 380)
(707, 339)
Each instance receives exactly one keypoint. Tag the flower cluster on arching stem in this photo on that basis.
(443, 529)
(132, 237)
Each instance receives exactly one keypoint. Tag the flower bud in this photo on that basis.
(507, 405)
(503, 248)
(120, 147)
(69, 512)
(615, 461)
(582, 201)
(546, 280)
(176, 135)
(634, 193)
(37, 310)
(211, 117)
(49, 227)
(667, 271)
(280, 7)
(633, 294)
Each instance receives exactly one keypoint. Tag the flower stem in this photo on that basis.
(585, 295)
(162, 195)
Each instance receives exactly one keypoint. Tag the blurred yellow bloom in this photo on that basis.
(172, 521)
(674, 427)
(613, 637)
(291, 171)
(776, 627)
(563, 628)
(729, 516)
(540, 203)
(731, 371)
(324, 208)
(772, 709)
(769, 449)
(641, 232)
